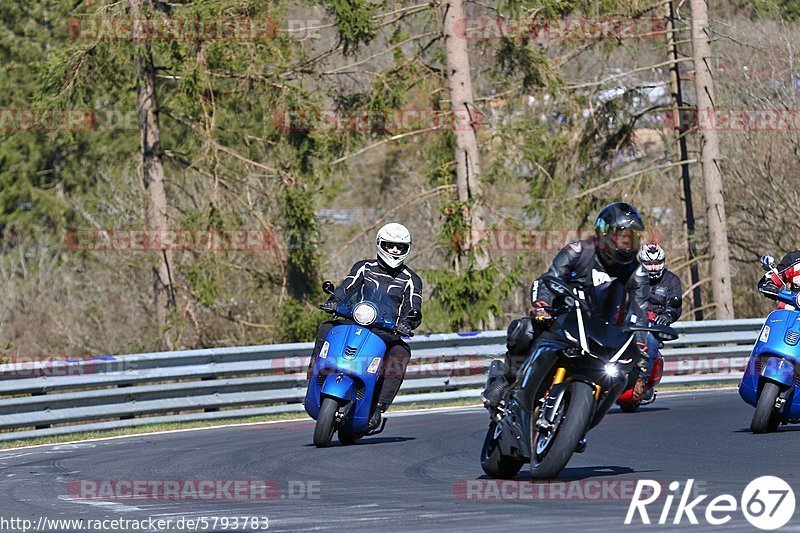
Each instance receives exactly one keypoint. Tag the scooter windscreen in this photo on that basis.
(368, 306)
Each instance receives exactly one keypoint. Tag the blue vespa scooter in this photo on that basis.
(346, 378)
(771, 381)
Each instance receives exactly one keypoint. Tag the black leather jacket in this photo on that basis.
(661, 294)
(402, 284)
(788, 269)
(614, 291)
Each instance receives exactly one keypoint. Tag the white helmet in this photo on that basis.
(654, 259)
(393, 243)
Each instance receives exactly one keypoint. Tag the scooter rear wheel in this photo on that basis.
(765, 419)
(326, 423)
(347, 438)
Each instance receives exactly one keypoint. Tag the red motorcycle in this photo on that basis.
(626, 400)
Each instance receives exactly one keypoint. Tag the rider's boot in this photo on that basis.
(375, 421)
(495, 392)
(647, 397)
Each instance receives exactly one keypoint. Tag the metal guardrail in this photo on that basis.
(45, 398)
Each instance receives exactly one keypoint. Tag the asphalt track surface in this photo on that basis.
(413, 476)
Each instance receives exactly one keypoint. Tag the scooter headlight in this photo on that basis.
(365, 313)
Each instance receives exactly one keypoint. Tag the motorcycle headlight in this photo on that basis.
(365, 313)
(612, 370)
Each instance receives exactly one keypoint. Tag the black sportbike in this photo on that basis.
(575, 373)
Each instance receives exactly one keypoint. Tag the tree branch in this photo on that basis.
(631, 175)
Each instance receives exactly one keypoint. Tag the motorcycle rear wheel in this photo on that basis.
(326, 423)
(629, 407)
(577, 407)
(765, 419)
(495, 464)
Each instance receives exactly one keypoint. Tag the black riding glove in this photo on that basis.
(662, 320)
(403, 328)
(768, 288)
(331, 305)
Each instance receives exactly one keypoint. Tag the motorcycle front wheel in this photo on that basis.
(326, 423)
(765, 419)
(551, 452)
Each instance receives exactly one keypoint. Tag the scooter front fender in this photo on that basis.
(779, 370)
(339, 386)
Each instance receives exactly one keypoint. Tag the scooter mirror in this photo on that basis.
(767, 262)
(328, 287)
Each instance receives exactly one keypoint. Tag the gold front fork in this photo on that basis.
(561, 373)
(559, 376)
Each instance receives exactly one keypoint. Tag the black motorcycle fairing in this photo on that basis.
(612, 393)
(603, 339)
(514, 442)
(548, 352)
(536, 373)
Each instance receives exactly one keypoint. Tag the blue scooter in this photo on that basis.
(771, 380)
(346, 377)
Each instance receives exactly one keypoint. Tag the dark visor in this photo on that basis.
(403, 247)
(626, 239)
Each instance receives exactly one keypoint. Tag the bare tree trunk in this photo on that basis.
(153, 176)
(683, 154)
(465, 119)
(709, 157)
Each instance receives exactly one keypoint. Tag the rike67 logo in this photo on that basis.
(767, 503)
